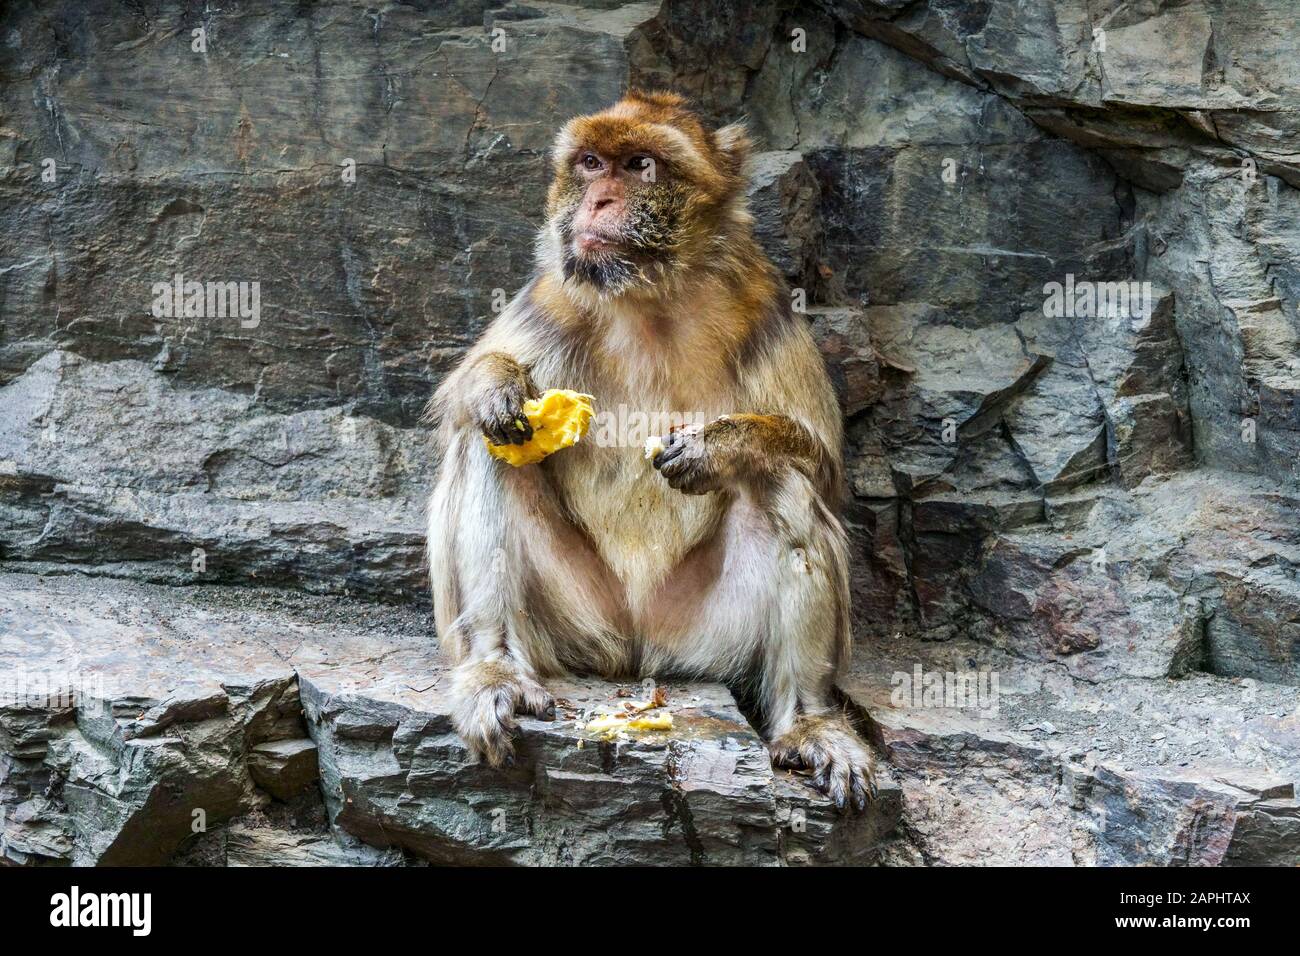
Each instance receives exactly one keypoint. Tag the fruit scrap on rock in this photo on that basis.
(559, 419)
(634, 716)
(611, 724)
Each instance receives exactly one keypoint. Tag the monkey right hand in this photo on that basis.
(497, 409)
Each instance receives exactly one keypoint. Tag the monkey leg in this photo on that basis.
(809, 646)
(516, 593)
(776, 613)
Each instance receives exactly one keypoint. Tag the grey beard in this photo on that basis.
(607, 273)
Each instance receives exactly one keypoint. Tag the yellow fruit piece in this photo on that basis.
(662, 721)
(610, 724)
(559, 418)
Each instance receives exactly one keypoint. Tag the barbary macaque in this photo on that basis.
(722, 558)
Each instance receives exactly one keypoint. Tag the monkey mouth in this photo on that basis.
(592, 242)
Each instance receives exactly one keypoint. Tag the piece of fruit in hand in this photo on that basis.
(559, 419)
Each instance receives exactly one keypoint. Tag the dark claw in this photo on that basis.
(789, 758)
(503, 429)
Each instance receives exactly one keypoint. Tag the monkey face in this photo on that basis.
(622, 217)
(639, 191)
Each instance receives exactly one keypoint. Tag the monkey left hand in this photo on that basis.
(696, 460)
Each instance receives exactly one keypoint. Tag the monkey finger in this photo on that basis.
(520, 431)
(677, 473)
(679, 437)
(503, 428)
(515, 423)
(497, 433)
(690, 477)
(668, 455)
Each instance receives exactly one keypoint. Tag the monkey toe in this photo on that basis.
(536, 700)
(862, 787)
(489, 740)
(786, 755)
(487, 725)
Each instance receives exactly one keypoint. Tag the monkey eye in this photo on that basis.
(640, 162)
(590, 161)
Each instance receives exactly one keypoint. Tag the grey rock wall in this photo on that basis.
(1112, 497)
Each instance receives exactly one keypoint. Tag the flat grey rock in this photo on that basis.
(1025, 765)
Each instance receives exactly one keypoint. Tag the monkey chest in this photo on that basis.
(640, 527)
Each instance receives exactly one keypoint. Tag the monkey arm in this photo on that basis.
(747, 449)
(762, 445)
(799, 430)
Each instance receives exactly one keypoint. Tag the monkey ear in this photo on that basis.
(734, 144)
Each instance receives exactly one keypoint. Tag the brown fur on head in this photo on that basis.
(644, 193)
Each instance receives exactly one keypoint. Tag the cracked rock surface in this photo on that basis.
(240, 709)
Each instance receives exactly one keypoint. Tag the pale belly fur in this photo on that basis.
(640, 527)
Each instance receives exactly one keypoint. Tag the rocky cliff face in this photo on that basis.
(1095, 502)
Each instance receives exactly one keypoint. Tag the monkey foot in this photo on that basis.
(839, 762)
(488, 696)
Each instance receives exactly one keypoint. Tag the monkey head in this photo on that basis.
(643, 192)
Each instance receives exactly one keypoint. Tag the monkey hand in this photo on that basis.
(498, 408)
(688, 461)
(696, 460)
